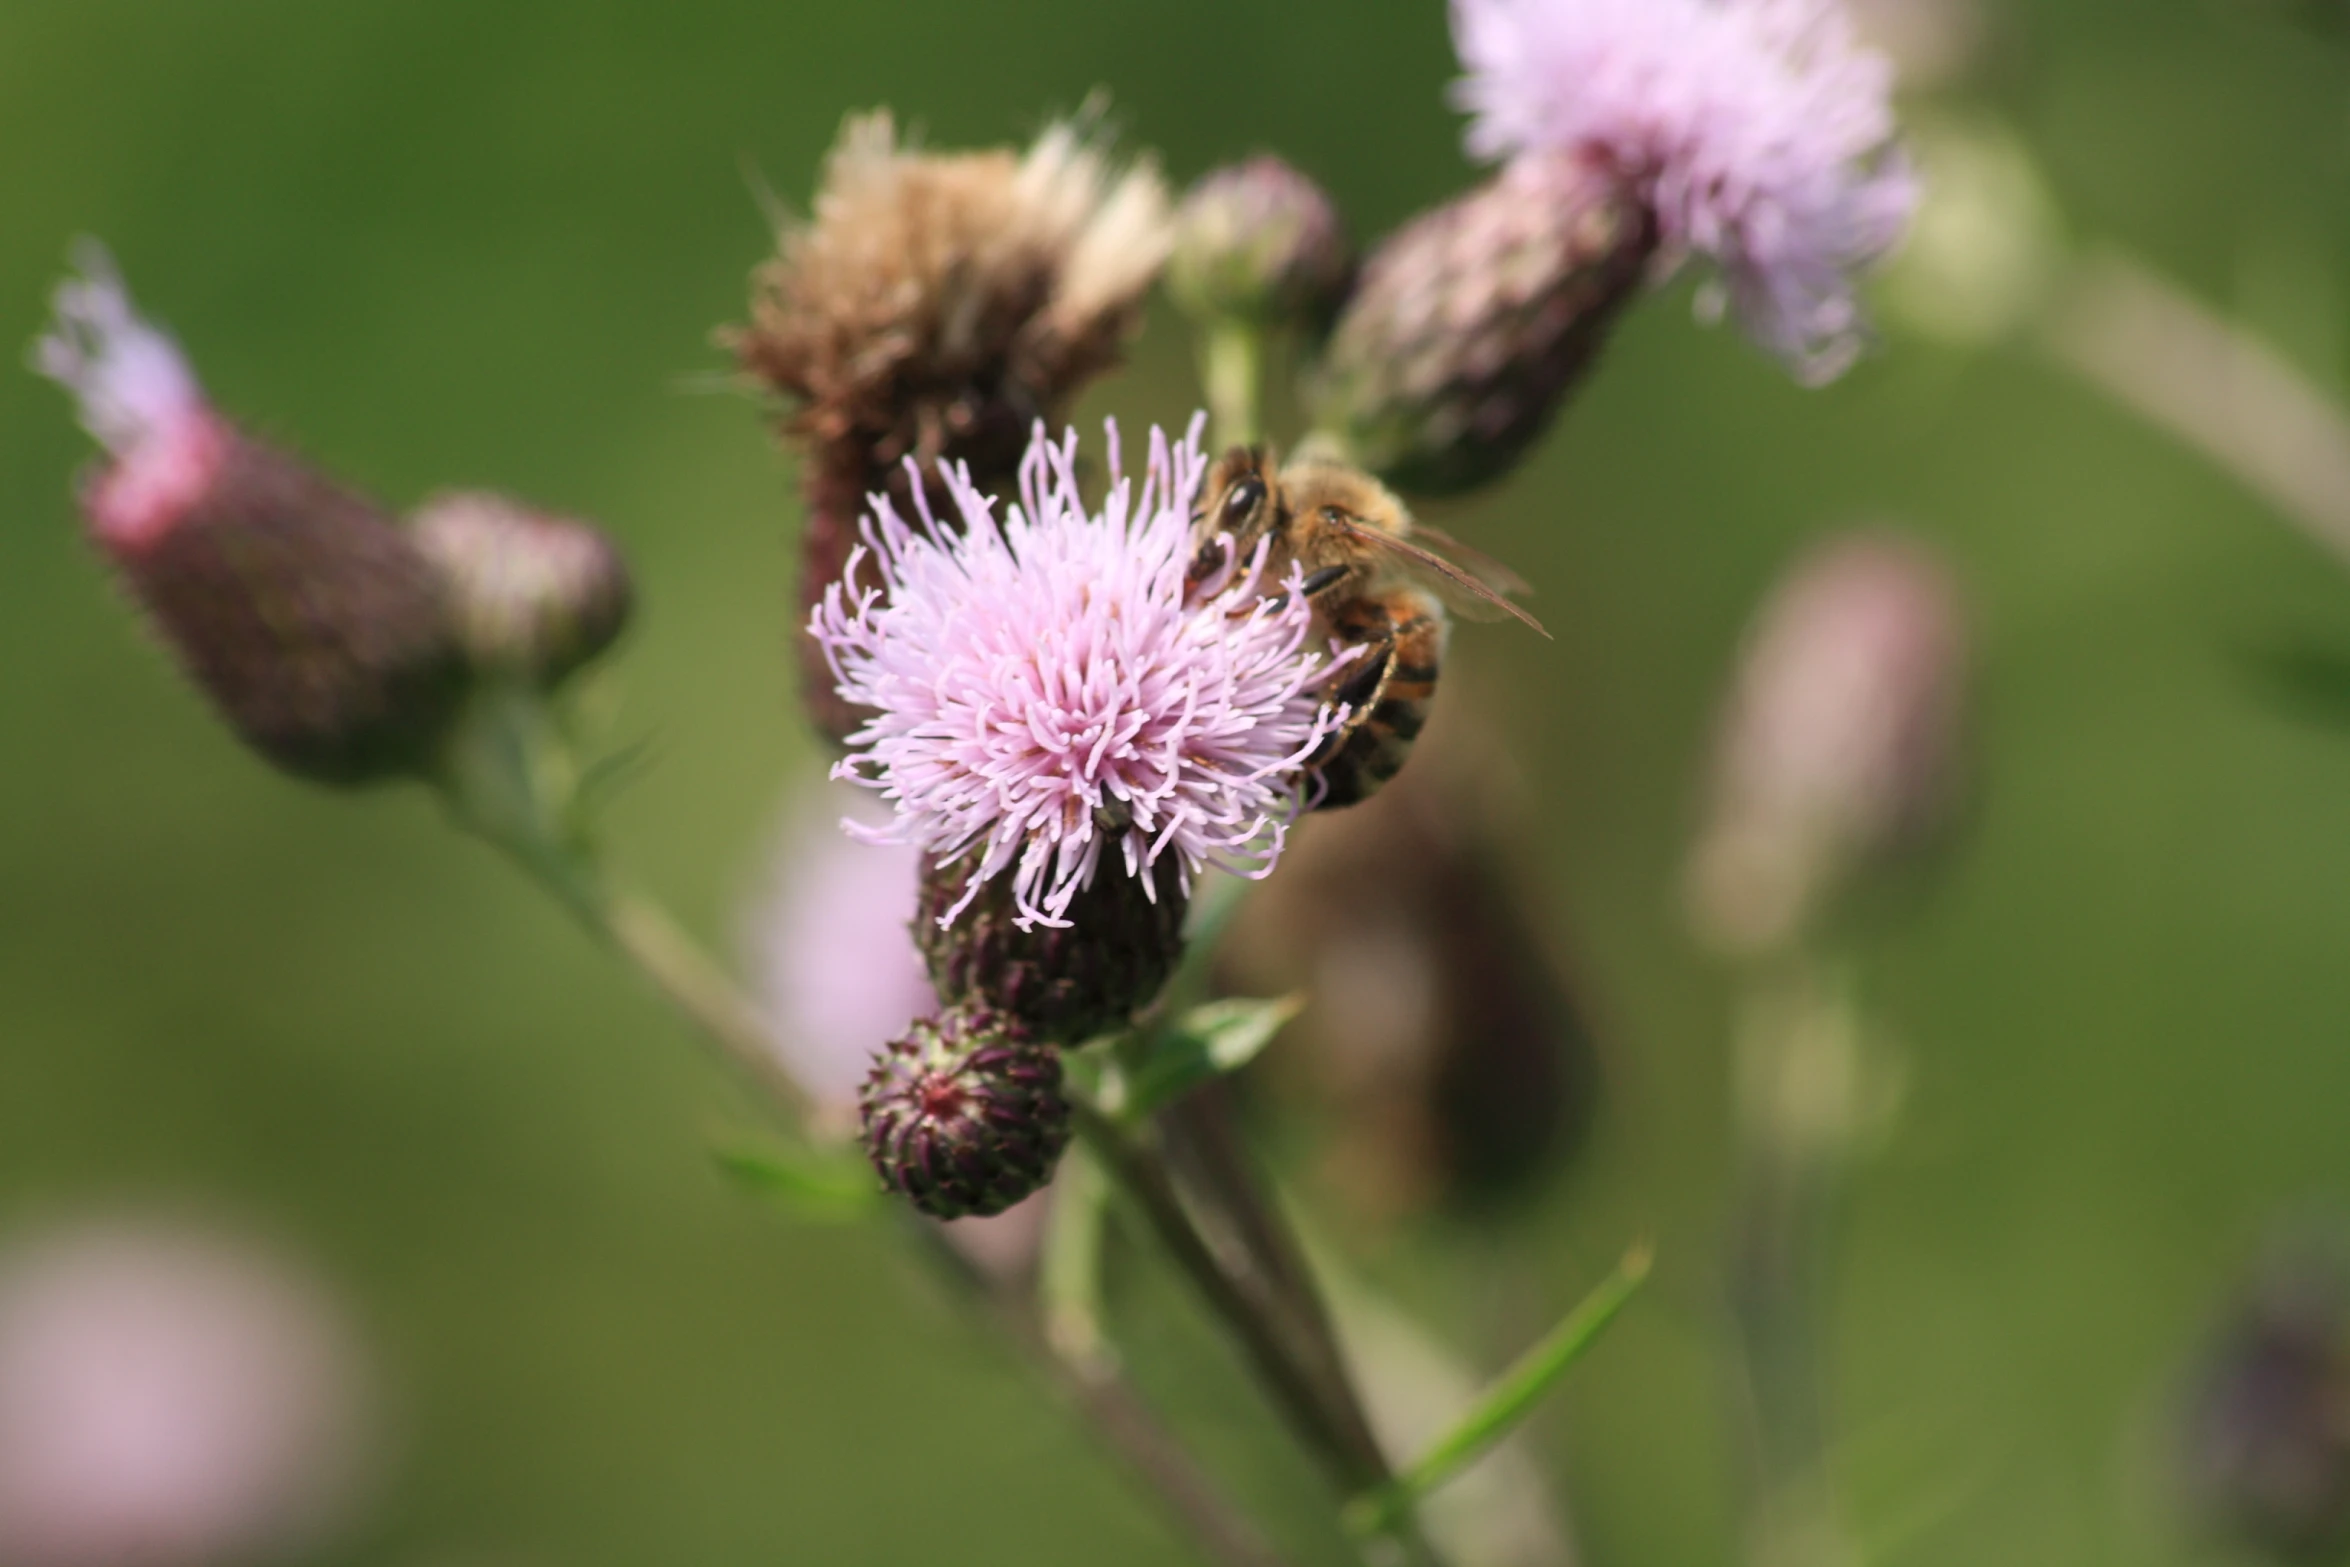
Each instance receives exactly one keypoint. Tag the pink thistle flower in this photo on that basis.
(169, 1398)
(1048, 685)
(1760, 133)
(832, 945)
(138, 398)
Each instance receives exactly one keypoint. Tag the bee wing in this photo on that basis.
(1458, 591)
(1476, 562)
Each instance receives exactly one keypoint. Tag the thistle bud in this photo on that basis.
(1065, 983)
(303, 611)
(1261, 242)
(2266, 1449)
(531, 594)
(964, 1115)
(1839, 748)
(1472, 323)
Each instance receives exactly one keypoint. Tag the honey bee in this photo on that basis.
(1370, 586)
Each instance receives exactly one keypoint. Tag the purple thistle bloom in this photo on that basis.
(1048, 686)
(1759, 131)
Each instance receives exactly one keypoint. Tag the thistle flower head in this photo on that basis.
(1840, 746)
(530, 593)
(1047, 687)
(1259, 240)
(964, 1115)
(307, 615)
(937, 303)
(1760, 132)
(831, 947)
(137, 397)
(168, 1399)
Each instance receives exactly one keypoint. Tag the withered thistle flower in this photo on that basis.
(531, 594)
(1839, 749)
(964, 1116)
(1052, 698)
(1260, 242)
(319, 631)
(934, 308)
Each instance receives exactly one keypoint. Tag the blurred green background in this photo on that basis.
(436, 243)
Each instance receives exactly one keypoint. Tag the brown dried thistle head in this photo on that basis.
(937, 304)
(934, 307)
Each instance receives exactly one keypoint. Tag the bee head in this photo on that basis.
(1238, 507)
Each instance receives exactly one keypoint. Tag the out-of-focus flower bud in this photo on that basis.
(531, 594)
(1260, 242)
(302, 610)
(1987, 246)
(2267, 1438)
(1472, 323)
(964, 1115)
(1445, 1056)
(937, 306)
(831, 945)
(1839, 748)
(168, 1399)
(1065, 983)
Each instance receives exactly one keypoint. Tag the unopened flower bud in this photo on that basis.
(2266, 1449)
(306, 614)
(964, 1115)
(1261, 242)
(530, 594)
(1472, 323)
(1065, 983)
(1839, 748)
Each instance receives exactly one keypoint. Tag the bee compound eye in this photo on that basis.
(1242, 499)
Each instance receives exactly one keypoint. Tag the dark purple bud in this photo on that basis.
(964, 1115)
(1064, 983)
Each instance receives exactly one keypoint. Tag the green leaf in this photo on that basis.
(1505, 1404)
(808, 1183)
(1204, 1043)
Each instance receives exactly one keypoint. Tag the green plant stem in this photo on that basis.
(1343, 1445)
(1798, 1074)
(1232, 362)
(1094, 1386)
(1069, 1279)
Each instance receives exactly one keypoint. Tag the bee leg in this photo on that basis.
(1359, 690)
(1317, 582)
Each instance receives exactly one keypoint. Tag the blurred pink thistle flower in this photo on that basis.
(832, 946)
(1759, 132)
(168, 1399)
(1049, 685)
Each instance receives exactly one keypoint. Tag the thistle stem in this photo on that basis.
(1232, 360)
(1333, 1431)
(1798, 1070)
(1094, 1386)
